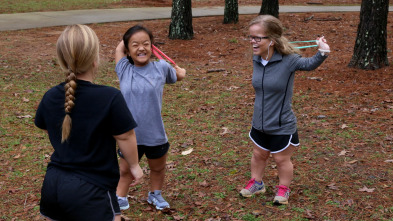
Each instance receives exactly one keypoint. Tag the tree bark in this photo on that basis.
(181, 20)
(370, 51)
(231, 12)
(269, 7)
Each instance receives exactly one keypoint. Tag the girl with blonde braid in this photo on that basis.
(84, 121)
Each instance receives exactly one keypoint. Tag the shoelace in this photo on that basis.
(250, 183)
(282, 190)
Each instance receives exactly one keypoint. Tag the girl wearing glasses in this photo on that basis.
(274, 129)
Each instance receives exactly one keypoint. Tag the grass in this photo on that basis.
(19, 6)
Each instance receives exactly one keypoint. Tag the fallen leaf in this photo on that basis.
(349, 202)
(333, 186)
(147, 209)
(309, 215)
(201, 194)
(188, 143)
(232, 87)
(342, 153)
(388, 161)
(25, 99)
(257, 212)
(365, 189)
(343, 126)
(186, 152)
(17, 156)
(225, 130)
(352, 161)
(177, 217)
(204, 184)
(24, 116)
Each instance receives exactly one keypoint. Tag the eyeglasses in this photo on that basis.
(256, 38)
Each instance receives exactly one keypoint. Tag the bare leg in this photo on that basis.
(157, 172)
(125, 179)
(284, 166)
(258, 163)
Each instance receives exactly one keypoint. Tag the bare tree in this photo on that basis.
(231, 12)
(269, 7)
(181, 20)
(370, 51)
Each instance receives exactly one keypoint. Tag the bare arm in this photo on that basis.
(128, 147)
(180, 73)
(120, 52)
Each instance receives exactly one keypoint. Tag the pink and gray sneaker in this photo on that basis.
(253, 187)
(282, 195)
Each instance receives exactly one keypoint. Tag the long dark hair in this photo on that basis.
(130, 32)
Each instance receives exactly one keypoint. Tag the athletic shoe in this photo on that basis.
(282, 195)
(253, 187)
(123, 203)
(155, 198)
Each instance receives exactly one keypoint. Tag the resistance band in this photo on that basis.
(307, 46)
(157, 53)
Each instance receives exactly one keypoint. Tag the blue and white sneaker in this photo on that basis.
(155, 198)
(123, 203)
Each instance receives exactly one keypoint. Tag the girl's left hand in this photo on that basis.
(321, 42)
(180, 73)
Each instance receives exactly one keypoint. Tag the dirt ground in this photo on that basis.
(345, 118)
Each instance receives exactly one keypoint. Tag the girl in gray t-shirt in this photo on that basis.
(142, 83)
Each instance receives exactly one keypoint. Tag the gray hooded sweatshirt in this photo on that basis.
(273, 86)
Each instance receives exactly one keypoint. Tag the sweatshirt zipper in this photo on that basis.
(283, 102)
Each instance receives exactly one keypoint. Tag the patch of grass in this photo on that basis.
(233, 40)
(18, 6)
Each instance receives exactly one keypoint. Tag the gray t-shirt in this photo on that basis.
(142, 88)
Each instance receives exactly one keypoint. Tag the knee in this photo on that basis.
(260, 155)
(282, 161)
(159, 169)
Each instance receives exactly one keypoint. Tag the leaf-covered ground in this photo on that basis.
(343, 168)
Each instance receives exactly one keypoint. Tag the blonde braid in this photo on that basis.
(77, 50)
(69, 89)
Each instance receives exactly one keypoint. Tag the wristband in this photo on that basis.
(323, 51)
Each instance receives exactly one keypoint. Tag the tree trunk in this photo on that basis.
(370, 51)
(231, 12)
(269, 7)
(181, 20)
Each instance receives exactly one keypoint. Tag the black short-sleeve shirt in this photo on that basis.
(90, 151)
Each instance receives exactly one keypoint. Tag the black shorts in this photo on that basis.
(152, 152)
(273, 143)
(65, 196)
